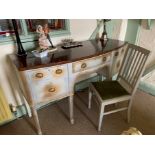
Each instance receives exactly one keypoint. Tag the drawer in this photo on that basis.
(51, 91)
(90, 63)
(38, 75)
(48, 83)
(49, 73)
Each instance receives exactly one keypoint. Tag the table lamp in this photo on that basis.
(104, 36)
(21, 51)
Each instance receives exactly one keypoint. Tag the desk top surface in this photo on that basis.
(89, 49)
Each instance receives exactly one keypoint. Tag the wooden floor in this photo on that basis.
(54, 118)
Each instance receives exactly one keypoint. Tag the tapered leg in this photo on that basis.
(27, 107)
(129, 110)
(90, 98)
(71, 110)
(101, 116)
(36, 120)
(109, 73)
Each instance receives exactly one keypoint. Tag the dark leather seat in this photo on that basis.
(109, 89)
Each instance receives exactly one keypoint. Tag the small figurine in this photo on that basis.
(43, 41)
(46, 30)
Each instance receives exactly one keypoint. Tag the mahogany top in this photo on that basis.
(89, 49)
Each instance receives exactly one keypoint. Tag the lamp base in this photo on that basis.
(103, 42)
(21, 55)
(104, 37)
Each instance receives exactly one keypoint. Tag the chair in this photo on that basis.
(124, 87)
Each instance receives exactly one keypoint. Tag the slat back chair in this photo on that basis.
(124, 88)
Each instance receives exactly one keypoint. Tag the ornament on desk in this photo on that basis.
(43, 41)
(46, 30)
(44, 38)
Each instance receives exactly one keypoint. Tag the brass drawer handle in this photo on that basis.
(58, 71)
(116, 54)
(39, 75)
(52, 89)
(104, 58)
(84, 65)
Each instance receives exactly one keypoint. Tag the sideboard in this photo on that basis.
(43, 80)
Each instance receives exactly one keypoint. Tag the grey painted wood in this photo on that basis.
(90, 98)
(71, 110)
(101, 114)
(129, 75)
(36, 120)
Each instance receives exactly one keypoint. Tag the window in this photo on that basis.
(27, 28)
(6, 28)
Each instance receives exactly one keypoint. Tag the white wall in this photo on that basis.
(146, 39)
(81, 29)
(123, 29)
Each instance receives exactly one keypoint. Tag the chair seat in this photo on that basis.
(109, 89)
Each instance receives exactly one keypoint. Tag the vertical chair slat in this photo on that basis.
(133, 61)
(135, 66)
(140, 69)
(124, 63)
(127, 65)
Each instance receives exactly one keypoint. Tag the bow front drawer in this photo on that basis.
(45, 84)
(90, 63)
(51, 91)
(39, 75)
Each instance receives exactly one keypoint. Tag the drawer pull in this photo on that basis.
(116, 54)
(84, 65)
(58, 71)
(39, 75)
(51, 89)
(104, 58)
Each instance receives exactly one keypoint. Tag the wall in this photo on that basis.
(116, 29)
(80, 30)
(132, 30)
(146, 39)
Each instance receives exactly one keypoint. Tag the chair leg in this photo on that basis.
(90, 98)
(101, 116)
(129, 110)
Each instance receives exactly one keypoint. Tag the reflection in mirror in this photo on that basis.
(53, 24)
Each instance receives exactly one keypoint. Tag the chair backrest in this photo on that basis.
(132, 67)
